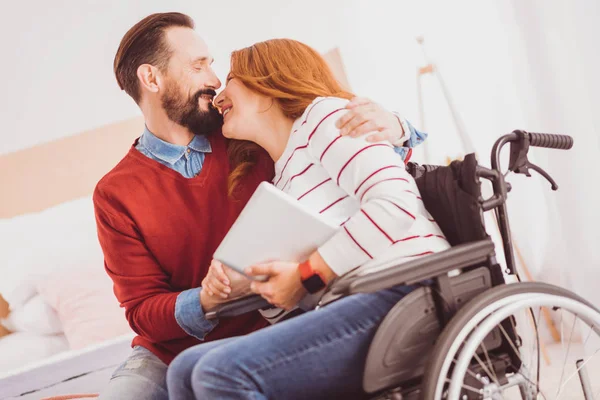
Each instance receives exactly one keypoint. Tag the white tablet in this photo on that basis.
(273, 226)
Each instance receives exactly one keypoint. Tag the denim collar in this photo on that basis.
(169, 152)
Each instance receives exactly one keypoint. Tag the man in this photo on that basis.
(163, 210)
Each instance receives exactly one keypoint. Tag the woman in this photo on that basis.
(281, 95)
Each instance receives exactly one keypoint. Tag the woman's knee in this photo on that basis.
(219, 368)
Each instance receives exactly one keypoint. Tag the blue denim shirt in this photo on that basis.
(188, 161)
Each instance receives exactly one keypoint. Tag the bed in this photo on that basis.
(58, 312)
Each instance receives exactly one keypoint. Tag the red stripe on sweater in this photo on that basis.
(377, 226)
(297, 175)
(333, 204)
(306, 145)
(413, 193)
(407, 238)
(421, 254)
(369, 177)
(417, 237)
(432, 235)
(327, 148)
(356, 154)
(325, 181)
(345, 221)
(358, 244)
(378, 182)
(311, 108)
(401, 209)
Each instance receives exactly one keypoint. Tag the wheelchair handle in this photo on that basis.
(550, 141)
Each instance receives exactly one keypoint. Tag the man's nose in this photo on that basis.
(214, 81)
(220, 99)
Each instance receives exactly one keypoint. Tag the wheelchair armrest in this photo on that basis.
(237, 307)
(418, 270)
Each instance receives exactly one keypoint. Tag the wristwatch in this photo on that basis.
(312, 280)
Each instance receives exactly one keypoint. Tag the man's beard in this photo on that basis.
(187, 112)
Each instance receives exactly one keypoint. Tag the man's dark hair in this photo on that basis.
(145, 43)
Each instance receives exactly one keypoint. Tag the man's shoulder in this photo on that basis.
(122, 175)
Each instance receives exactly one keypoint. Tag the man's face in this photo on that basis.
(190, 83)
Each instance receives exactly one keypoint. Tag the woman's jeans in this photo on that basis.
(318, 355)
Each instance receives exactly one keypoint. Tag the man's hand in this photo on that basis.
(284, 288)
(366, 117)
(216, 282)
(222, 284)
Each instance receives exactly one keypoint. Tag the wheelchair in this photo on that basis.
(467, 333)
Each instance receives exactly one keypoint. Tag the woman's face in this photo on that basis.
(244, 111)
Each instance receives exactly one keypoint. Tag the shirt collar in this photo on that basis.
(169, 152)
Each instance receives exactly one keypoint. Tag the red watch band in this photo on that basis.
(306, 271)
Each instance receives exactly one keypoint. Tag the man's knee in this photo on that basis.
(142, 375)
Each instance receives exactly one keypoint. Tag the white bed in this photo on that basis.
(81, 371)
(69, 332)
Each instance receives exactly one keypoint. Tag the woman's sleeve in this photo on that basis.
(372, 173)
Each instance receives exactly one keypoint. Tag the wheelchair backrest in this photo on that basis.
(451, 195)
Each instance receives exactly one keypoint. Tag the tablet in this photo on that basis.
(273, 226)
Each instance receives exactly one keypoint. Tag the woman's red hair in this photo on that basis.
(292, 74)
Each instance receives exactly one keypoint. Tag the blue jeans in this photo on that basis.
(318, 355)
(141, 376)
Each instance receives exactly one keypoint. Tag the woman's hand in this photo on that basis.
(284, 288)
(366, 116)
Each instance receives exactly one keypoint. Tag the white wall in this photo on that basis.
(528, 64)
(57, 55)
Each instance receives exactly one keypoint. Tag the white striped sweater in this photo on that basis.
(359, 185)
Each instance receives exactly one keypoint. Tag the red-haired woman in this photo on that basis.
(281, 95)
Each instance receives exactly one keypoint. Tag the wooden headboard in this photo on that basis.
(63, 172)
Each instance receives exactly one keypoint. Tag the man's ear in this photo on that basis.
(148, 76)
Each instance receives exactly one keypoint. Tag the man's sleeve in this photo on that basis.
(412, 138)
(141, 285)
(190, 316)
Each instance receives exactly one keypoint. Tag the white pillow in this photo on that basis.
(35, 245)
(36, 316)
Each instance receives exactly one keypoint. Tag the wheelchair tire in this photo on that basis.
(455, 333)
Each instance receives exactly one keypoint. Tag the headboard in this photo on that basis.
(63, 172)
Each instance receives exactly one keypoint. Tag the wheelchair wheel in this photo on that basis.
(497, 347)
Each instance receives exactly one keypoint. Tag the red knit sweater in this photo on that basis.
(158, 231)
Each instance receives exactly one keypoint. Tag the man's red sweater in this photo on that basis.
(159, 230)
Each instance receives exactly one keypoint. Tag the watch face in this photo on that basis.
(313, 284)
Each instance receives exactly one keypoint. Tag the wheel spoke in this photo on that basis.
(588, 335)
(471, 388)
(566, 356)
(535, 343)
(490, 373)
(578, 369)
(510, 341)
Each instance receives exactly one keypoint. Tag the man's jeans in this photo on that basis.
(318, 355)
(141, 376)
